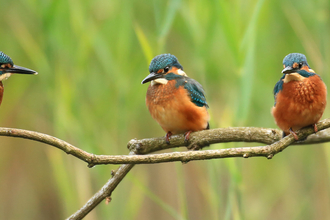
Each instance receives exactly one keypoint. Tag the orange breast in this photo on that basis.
(300, 103)
(172, 108)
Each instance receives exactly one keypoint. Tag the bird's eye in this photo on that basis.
(166, 69)
(300, 65)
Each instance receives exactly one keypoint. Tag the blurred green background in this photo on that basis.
(92, 56)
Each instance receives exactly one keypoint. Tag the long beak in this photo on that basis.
(151, 76)
(20, 70)
(288, 69)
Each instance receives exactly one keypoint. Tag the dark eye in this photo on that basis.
(300, 65)
(166, 69)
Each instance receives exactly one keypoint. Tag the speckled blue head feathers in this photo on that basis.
(162, 61)
(4, 59)
(292, 58)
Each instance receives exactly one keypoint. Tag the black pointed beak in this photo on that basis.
(20, 70)
(151, 76)
(288, 70)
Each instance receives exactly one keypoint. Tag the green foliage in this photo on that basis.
(91, 57)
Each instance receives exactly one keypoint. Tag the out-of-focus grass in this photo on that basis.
(91, 57)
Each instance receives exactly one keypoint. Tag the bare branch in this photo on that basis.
(249, 134)
(104, 192)
(147, 146)
(201, 138)
(231, 134)
(47, 139)
(206, 137)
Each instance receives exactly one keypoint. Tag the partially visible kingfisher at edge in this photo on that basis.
(174, 100)
(300, 96)
(7, 68)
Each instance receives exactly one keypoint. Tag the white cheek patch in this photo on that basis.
(181, 72)
(5, 76)
(159, 81)
(311, 70)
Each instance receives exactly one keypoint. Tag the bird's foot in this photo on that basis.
(315, 128)
(167, 137)
(187, 135)
(294, 134)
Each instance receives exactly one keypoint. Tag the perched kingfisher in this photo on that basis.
(7, 68)
(300, 96)
(174, 100)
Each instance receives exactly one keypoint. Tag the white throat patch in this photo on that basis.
(159, 81)
(293, 77)
(4, 76)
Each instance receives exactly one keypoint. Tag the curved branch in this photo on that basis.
(50, 140)
(207, 137)
(231, 134)
(250, 134)
(147, 146)
(201, 138)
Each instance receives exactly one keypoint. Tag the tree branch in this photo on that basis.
(214, 136)
(150, 145)
(104, 192)
(231, 134)
(201, 138)
(50, 140)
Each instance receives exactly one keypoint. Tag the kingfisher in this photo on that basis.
(300, 96)
(7, 68)
(174, 100)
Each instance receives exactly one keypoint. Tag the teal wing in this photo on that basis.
(196, 92)
(278, 87)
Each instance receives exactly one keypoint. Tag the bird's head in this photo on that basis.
(161, 66)
(7, 67)
(296, 63)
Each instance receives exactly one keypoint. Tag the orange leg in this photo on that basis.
(186, 136)
(315, 128)
(167, 137)
(294, 134)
